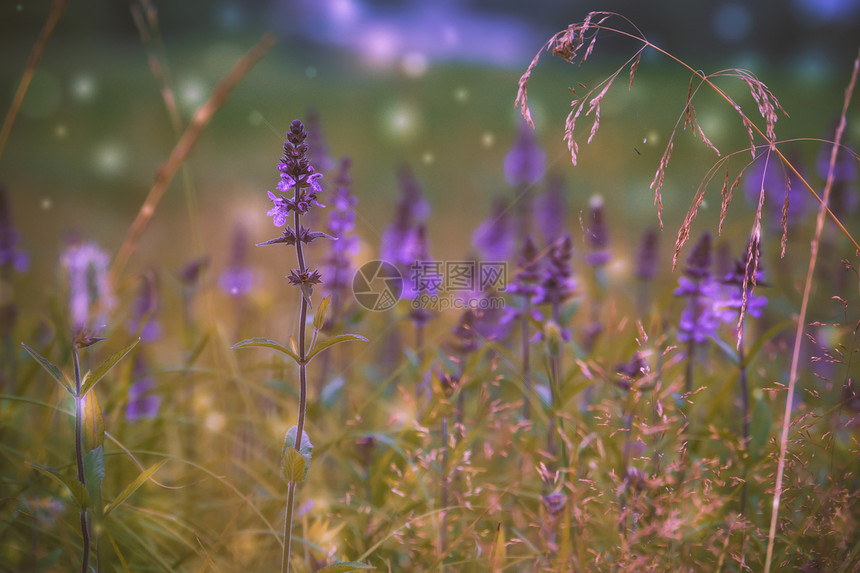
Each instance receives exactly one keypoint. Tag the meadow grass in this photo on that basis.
(610, 416)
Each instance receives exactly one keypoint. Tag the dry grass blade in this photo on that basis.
(633, 67)
(726, 193)
(684, 231)
(184, 146)
(30, 70)
(660, 176)
(801, 319)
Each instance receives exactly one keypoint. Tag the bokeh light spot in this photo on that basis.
(109, 160)
(488, 139)
(83, 88)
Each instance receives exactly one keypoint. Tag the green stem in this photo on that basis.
(79, 458)
(303, 398)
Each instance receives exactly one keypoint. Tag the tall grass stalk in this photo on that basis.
(801, 319)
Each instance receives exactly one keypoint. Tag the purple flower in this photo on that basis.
(558, 283)
(526, 281)
(238, 278)
(10, 255)
(597, 234)
(843, 195)
(698, 319)
(317, 148)
(777, 182)
(142, 402)
(90, 296)
(524, 163)
(142, 321)
(550, 209)
(189, 275)
(734, 291)
(495, 237)
(297, 175)
(400, 238)
(646, 257)
(341, 223)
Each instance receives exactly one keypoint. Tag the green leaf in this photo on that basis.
(75, 487)
(55, 372)
(293, 466)
(319, 317)
(94, 471)
(94, 377)
(266, 343)
(133, 486)
(345, 567)
(331, 341)
(305, 451)
(93, 422)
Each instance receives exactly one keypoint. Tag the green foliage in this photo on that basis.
(51, 369)
(295, 463)
(345, 567)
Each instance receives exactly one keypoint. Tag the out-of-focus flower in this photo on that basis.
(338, 266)
(190, 274)
(844, 197)
(736, 287)
(142, 402)
(317, 148)
(238, 278)
(400, 237)
(647, 255)
(495, 237)
(90, 295)
(698, 319)
(11, 256)
(525, 162)
(558, 283)
(550, 209)
(142, 322)
(597, 234)
(777, 182)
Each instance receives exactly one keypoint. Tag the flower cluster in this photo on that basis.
(558, 283)
(698, 319)
(10, 255)
(90, 296)
(238, 279)
(341, 224)
(298, 176)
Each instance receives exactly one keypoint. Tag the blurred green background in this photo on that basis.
(428, 83)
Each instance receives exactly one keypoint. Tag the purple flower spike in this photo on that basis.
(317, 148)
(142, 322)
(238, 279)
(338, 264)
(698, 319)
(10, 255)
(550, 210)
(525, 162)
(495, 237)
(646, 257)
(558, 283)
(90, 296)
(777, 181)
(399, 240)
(597, 234)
